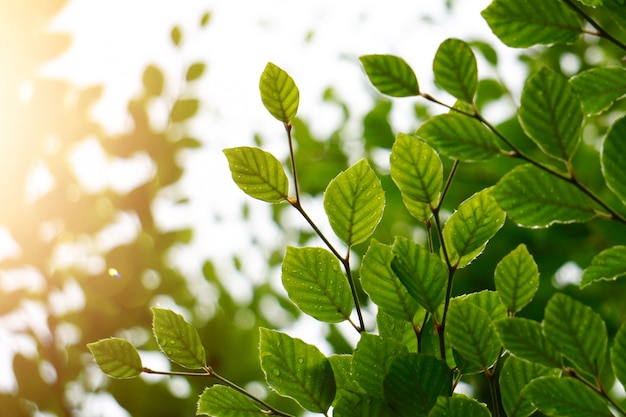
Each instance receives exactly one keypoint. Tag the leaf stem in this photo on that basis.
(601, 31)
(292, 157)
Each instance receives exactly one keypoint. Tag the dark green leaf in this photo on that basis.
(184, 109)
(354, 202)
(153, 80)
(298, 370)
(279, 93)
(195, 71)
(618, 355)
(352, 404)
(612, 158)
(372, 358)
(517, 278)
(608, 265)
(178, 339)
(116, 357)
(533, 198)
(221, 401)
(391, 75)
(598, 88)
(455, 69)
(459, 406)
(258, 173)
(524, 338)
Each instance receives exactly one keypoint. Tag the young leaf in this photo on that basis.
(577, 332)
(517, 278)
(313, 280)
(459, 405)
(598, 88)
(372, 357)
(556, 396)
(455, 69)
(550, 114)
(354, 202)
(618, 355)
(417, 170)
(222, 401)
(422, 273)
(608, 265)
(195, 71)
(414, 382)
(178, 339)
(116, 357)
(524, 338)
(297, 370)
(459, 137)
(468, 230)
(279, 93)
(391, 75)
(383, 286)
(514, 376)
(612, 158)
(533, 198)
(258, 173)
(184, 109)
(524, 23)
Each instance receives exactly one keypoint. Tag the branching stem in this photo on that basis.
(601, 31)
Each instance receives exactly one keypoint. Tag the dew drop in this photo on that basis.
(276, 371)
(300, 361)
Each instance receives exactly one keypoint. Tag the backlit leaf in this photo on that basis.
(372, 358)
(455, 69)
(352, 404)
(258, 173)
(279, 93)
(524, 338)
(517, 278)
(354, 202)
(487, 300)
(391, 75)
(608, 265)
(222, 401)
(402, 331)
(612, 158)
(184, 109)
(153, 80)
(598, 88)
(176, 35)
(297, 370)
(116, 357)
(618, 355)
(195, 71)
(459, 405)
(178, 339)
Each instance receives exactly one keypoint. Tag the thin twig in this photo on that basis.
(601, 31)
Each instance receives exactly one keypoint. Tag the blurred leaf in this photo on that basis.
(524, 338)
(486, 50)
(455, 69)
(279, 93)
(550, 114)
(377, 131)
(517, 278)
(372, 357)
(598, 88)
(153, 80)
(459, 406)
(176, 35)
(314, 281)
(116, 357)
(608, 265)
(577, 332)
(195, 71)
(184, 109)
(204, 20)
(51, 45)
(612, 158)
(533, 198)
(391, 75)
(354, 202)
(178, 339)
(297, 370)
(618, 354)
(222, 401)
(489, 90)
(524, 23)
(592, 3)
(258, 173)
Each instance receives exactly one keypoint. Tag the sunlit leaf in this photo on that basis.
(342, 370)
(176, 35)
(455, 69)
(372, 358)
(469, 229)
(153, 80)
(612, 158)
(195, 71)
(577, 332)
(524, 338)
(487, 300)
(222, 401)
(618, 355)
(391, 75)
(534, 198)
(184, 109)
(598, 88)
(315, 282)
(524, 23)
(608, 265)
(258, 173)
(459, 405)
(116, 357)
(279, 93)
(354, 202)
(296, 369)
(204, 20)
(178, 339)
(550, 114)
(517, 278)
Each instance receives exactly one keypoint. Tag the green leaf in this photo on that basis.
(524, 23)
(258, 173)
(472, 334)
(178, 339)
(459, 137)
(391, 75)
(422, 273)
(608, 265)
(618, 355)
(297, 370)
(184, 109)
(221, 401)
(352, 404)
(550, 114)
(195, 71)
(524, 338)
(402, 331)
(414, 382)
(612, 158)
(342, 370)
(598, 88)
(116, 357)
(514, 376)
(577, 332)
(569, 397)
(517, 278)
(468, 230)
(204, 20)
(455, 69)
(354, 202)
(279, 93)
(487, 300)
(592, 3)
(153, 81)
(459, 406)
(372, 358)
(533, 198)
(314, 281)
(383, 286)
(176, 35)
(417, 171)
